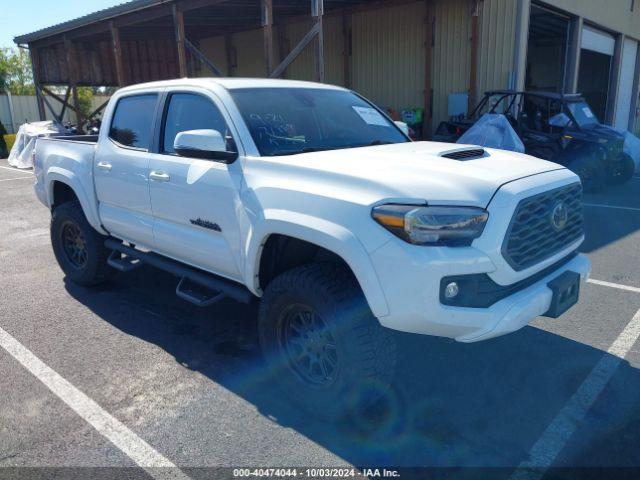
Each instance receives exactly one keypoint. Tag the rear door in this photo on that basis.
(196, 202)
(121, 169)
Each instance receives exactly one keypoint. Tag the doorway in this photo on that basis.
(596, 59)
(547, 50)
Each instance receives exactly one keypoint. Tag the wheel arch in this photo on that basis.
(61, 184)
(329, 239)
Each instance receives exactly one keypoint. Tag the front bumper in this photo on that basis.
(415, 306)
(411, 276)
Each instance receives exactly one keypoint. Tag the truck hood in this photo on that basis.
(417, 171)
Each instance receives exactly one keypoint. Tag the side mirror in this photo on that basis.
(206, 144)
(402, 126)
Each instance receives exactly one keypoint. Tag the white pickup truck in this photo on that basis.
(309, 198)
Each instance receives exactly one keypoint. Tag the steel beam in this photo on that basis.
(317, 12)
(178, 23)
(266, 7)
(35, 71)
(117, 53)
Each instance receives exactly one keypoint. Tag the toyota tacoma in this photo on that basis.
(308, 199)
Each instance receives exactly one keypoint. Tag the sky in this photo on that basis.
(18, 17)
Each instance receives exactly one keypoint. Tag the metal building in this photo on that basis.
(402, 54)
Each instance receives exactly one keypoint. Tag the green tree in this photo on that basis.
(15, 71)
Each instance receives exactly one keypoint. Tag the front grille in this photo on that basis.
(532, 236)
(465, 154)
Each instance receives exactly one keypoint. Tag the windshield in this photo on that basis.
(287, 121)
(582, 113)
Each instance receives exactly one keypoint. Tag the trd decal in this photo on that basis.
(205, 224)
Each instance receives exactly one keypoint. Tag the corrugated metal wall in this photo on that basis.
(497, 40)
(214, 50)
(388, 60)
(249, 47)
(451, 53)
(388, 52)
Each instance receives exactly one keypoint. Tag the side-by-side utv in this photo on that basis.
(557, 127)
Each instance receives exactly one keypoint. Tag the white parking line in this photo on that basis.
(128, 442)
(614, 285)
(16, 170)
(14, 178)
(557, 434)
(600, 205)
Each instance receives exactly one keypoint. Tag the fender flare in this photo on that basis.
(89, 208)
(325, 234)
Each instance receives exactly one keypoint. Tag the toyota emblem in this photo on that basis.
(559, 216)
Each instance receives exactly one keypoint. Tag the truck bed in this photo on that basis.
(75, 138)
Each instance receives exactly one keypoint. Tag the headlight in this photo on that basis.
(449, 226)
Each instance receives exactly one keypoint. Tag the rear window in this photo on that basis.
(132, 121)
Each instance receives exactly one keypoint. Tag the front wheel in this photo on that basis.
(79, 249)
(621, 171)
(321, 342)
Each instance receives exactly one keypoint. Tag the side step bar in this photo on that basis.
(186, 273)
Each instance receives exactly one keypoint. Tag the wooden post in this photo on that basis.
(473, 70)
(346, 52)
(267, 31)
(35, 71)
(317, 12)
(178, 23)
(429, 38)
(73, 79)
(117, 53)
(232, 58)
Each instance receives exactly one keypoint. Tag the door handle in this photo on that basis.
(159, 176)
(104, 166)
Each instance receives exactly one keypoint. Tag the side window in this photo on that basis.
(132, 123)
(188, 111)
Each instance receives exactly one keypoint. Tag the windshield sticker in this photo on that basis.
(587, 112)
(371, 116)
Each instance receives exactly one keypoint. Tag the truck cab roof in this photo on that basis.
(230, 83)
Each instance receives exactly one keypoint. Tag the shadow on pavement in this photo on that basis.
(452, 404)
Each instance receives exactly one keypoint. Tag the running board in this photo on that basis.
(196, 295)
(123, 263)
(209, 281)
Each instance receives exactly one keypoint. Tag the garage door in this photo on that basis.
(598, 41)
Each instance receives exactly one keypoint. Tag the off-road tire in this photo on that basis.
(95, 269)
(622, 173)
(366, 351)
(591, 172)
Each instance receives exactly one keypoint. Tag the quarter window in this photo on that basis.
(187, 111)
(132, 122)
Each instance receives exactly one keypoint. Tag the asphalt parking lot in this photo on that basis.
(189, 383)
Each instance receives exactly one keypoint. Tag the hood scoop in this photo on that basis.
(465, 154)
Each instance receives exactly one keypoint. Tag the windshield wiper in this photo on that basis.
(322, 149)
(302, 150)
(380, 142)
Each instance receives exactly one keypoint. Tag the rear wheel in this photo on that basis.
(322, 343)
(78, 248)
(621, 171)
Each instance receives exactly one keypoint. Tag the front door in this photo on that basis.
(121, 169)
(195, 201)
